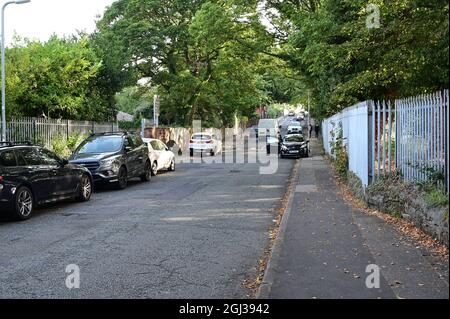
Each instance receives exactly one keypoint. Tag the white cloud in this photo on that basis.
(39, 19)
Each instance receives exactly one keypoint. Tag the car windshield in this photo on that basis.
(294, 139)
(295, 124)
(270, 124)
(101, 144)
(201, 137)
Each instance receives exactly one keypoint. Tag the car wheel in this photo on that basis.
(172, 166)
(191, 152)
(148, 172)
(154, 169)
(122, 182)
(213, 153)
(85, 191)
(23, 203)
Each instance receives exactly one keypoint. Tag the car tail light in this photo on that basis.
(209, 142)
(1, 179)
(191, 141)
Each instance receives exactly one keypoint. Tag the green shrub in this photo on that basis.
(64, 148)
(74, 140)
(339, 151)
(59, 146)
(436, 198)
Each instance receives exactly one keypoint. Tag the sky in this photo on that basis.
(39, 19)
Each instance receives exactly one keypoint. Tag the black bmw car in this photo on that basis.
(32, 176)
(294, 145)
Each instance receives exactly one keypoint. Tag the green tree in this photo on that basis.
(56, 79)
(200, 55)
(341, 61)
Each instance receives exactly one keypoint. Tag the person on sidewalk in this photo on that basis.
(280, 141)
(317, 129)
(268, 142)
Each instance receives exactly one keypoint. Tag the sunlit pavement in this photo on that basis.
(194, 233)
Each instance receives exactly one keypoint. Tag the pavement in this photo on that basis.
(325, 247)
(197, 232)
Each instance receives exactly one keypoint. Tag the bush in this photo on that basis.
(339, 151)
(436, 198)
(64, 148)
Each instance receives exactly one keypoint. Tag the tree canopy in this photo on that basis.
(342, 61)
(217, 59)
(55, 79)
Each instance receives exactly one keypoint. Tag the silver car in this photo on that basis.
(161, 157)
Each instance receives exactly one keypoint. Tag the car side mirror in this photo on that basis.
(64, 162)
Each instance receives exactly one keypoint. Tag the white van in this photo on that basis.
(268, 124)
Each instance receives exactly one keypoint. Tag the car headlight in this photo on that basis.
(284, 148)
(109, 164)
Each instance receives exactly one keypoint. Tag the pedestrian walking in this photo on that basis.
(268, 142)
(280, 141)
(317, 129)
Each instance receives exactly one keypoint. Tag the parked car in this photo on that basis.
(114, 158)
(161, 157)
(295, 128)
(268, 125)
(300, 118)
(294, 145)
(204, 143)
(31, 176)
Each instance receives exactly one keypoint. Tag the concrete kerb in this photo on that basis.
(269, 274)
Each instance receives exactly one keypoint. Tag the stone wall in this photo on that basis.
(394, 197)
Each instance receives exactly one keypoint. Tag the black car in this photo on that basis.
(294, 145)
(32, 176)
(114, 158)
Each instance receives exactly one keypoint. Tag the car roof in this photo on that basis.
(210, 134)
(15, 145)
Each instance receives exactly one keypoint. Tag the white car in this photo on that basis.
(204, 143)
(161, 157)
(295, 128)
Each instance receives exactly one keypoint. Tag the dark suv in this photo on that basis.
(31, 175)
(114, 158)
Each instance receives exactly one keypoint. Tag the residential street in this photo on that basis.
(194, 233)
(199, 232)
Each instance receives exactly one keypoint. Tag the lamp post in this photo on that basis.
(3, 65)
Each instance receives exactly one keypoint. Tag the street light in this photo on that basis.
(3, 65)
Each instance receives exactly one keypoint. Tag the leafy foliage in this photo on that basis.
(56, 79)
(339, 151)
(199, 54)
(342, 61)
(65, 147)
(436, 198)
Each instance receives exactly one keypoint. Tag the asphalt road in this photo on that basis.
(194, 233)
